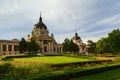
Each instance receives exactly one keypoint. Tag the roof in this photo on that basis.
(40, 24)
(76, 37)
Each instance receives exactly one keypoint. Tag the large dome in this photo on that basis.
(40, 24)
(76, 37)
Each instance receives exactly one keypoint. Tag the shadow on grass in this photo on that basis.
(11, 58)
(7, 59)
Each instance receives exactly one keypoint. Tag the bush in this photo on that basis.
(53, 54)
(6, 69)
(66, 75)
(10, 58)
(22, 71)
(81, 63)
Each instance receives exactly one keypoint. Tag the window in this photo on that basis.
(42, 32)
(45, 42)
(9, 47)
(15, 47)
(45, 49)
(4, 48)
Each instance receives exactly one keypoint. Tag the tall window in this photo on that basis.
(57, 49)
(54, 49)
(15, 47)
(45, 49)
(60, 49)
(42, 32)
(0, 47)
(45, 42)
(10, 47)
(4, 48)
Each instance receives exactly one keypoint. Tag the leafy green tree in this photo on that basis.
(32, 47)
(66, 45)
(69, 46)
(114, 40)
(92, 48)
(110, 43)
(103, 45)
(22, 46)
(73, 47)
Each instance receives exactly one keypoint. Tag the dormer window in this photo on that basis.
(42, 33)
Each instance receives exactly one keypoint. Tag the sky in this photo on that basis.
(91, 19)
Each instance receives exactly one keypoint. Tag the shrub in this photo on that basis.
(10, 58)
(53, 54)
(6, 69)
(22, 70)
(68, 74)
(85, 63)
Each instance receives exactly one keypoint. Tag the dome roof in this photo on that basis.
(40, 24)
(76, 37)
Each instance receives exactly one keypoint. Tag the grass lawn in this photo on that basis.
(30, 65)
(108, 75)
(50, 59)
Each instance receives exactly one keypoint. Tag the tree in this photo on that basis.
(114, 40)
(103, 45)
(73, 47)
(22, 46)
(66, 45)
(110, 43)
(69, 46)
(32, 47)
(92, 48)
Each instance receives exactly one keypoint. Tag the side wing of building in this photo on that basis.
(9, 47)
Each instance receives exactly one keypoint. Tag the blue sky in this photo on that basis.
(92, 19)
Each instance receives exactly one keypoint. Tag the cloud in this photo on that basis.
(92, 19)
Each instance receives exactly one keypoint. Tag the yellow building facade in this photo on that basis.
(82, 46)
(46, 42)
(9, 47)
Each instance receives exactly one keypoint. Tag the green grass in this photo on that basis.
(50, 59)
(108, 75)
(1, 57)
(40, 64)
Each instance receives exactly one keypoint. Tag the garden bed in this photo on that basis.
(67, 74)
(59, 67)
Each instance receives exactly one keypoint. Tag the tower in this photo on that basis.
(46, 42)
(77, 40)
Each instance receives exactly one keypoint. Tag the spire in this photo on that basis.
(40, 20)
(76, 31)
(76, 34)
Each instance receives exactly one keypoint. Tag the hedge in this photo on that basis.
(20, 56)
(67, 74)
(81, 63)
(6, 69)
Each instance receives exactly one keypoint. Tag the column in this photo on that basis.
(55, 48)
(42, 47)
(49, 47)
(7, 50)
(0, 49)
(13, 48)
(1, 46)
(61, 49)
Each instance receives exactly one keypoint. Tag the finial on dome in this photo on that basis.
(40, 13)
(40, 20)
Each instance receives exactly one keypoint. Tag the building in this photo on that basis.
(82, 46)
(9, 47)
(46, 42)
